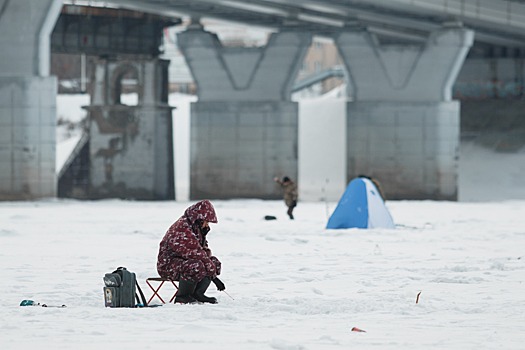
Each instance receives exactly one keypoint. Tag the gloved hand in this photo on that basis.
(218, 283)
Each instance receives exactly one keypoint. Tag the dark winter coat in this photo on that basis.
(290, 193)
(184, 252)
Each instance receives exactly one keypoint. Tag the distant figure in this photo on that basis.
(184, 255)
(290, 194)
(377, 184)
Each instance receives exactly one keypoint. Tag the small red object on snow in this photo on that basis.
(355, 329)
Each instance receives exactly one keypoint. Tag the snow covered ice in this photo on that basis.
(295, 285)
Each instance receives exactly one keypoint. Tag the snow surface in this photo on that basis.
(295, 285)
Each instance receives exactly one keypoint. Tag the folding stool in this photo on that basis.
(156, 288)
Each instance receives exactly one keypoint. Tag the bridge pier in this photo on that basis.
(131, 146)
(402, 125)
(27, 100)
(244, 126)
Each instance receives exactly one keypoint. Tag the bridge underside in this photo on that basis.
(499, 24)
(109, 32)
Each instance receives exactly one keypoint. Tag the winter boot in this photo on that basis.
(201, 288)
(185, 292)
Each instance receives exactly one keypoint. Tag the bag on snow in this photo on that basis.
(120, 289)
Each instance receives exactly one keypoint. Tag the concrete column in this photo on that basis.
(240, 73)
(27, 99)
(244, 126)
(403, 127)
(131, 147)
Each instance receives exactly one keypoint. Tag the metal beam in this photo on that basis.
(109, 32)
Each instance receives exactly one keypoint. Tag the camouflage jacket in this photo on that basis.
(183, 241)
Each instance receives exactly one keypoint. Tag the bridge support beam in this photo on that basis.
(244, 126)
(402, 126)
(27, 100)
(131, 146)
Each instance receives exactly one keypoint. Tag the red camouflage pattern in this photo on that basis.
(184, 252)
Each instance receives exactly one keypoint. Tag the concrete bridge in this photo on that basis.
(402, 58)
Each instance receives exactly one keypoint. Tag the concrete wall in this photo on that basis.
(27, 137)
(237, 148)
(412, 149)
(134, 161)
(27, 99)
(131, 147)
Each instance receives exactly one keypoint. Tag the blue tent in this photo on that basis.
(361, 206)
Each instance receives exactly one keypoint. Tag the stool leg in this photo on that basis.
(176, 291)
(155, 292)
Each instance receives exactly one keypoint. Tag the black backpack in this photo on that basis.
(120, 289)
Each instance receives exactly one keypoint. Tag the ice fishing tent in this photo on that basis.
(361, 206)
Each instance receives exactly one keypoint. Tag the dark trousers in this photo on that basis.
(290, 209)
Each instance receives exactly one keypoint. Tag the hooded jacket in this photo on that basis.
(184, 252)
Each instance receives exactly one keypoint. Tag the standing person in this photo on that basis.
(184, 255)
(290, 194)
